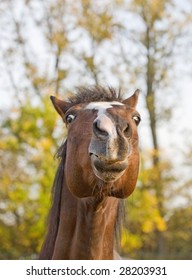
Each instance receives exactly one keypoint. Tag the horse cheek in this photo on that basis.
(75, 183)
(128, 181)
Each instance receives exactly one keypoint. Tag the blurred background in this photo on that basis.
(49, 48)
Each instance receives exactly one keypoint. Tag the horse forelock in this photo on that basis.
(95, 94)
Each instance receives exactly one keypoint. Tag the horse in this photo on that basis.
(98, 168)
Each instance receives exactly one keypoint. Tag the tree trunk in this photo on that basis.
(151, 107)
(150, 97)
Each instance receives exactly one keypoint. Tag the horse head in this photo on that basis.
(102, 157)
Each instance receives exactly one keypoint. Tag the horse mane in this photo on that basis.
(83, 95)
(94, 94)
(53, 218)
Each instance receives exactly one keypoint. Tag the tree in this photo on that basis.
(156, 42)
(178, 238)
(27, 172)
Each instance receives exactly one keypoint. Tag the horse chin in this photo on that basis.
(108, 171)
(108, 177)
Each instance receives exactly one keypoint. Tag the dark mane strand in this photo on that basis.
(120, 223)
(95, 94)
(53, 219)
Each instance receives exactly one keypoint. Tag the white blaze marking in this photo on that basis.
(102, 106)
(106, 124)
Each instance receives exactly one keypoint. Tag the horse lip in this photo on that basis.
(103, 165)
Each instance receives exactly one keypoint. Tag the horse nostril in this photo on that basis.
(126, 130)
(98, 130)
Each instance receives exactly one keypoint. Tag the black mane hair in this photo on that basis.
(54, 213)
(95, 94)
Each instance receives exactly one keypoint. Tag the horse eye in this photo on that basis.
(69, 118)
(137, 119)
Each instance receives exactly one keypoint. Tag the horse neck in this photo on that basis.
(86, 228)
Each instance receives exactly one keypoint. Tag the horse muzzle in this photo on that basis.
(107, 171)
(109, 148)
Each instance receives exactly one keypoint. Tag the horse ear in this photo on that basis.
(60, 105)
(132, 100)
